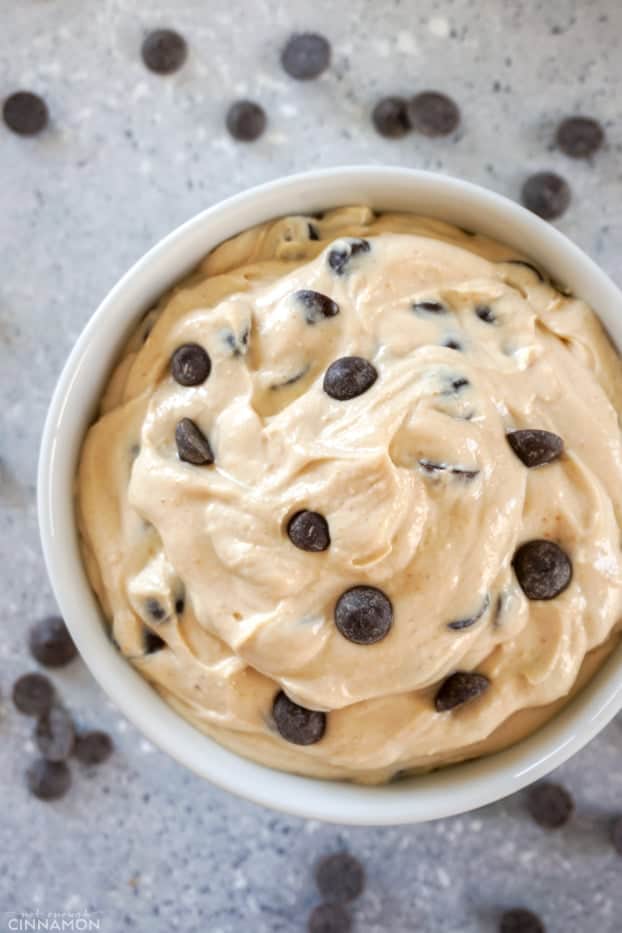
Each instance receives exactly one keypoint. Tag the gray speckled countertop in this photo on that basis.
(128, 156)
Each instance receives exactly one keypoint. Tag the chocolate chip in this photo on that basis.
(340, 877)
(155, 610)
(190, 365)
(433, 114)
(390, 117)
(542, 569)
(339, 257)
(580, 137)
(546, 194)
(246, 120)
(460, 688)
(430, 307)
(520, 920)
(55, 734)
(364, 615)
(291, 380)
(180, 605)
(527, 265)
(238, 344)
(153, 642)
(309, 531)
(485, 314)
(452, 344)
(50, 642)
(464, 473)
(330, 918)
(164, 51)
(314, 233)
(535, 447)
(93, 747)
(550, 804)
(459, 383)
(306, 56)
(616, 835)
(48, 780)
(317, 306)
(295, 723)
(431, 466)
(192, 444)
(25, 113)
(33, 694)
(348, 377)
(468, 621)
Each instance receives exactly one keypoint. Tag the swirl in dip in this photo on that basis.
(352, 501)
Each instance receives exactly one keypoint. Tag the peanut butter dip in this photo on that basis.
(352, 502)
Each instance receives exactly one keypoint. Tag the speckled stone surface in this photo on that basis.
(141, 843)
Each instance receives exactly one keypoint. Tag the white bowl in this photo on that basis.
(453, 790)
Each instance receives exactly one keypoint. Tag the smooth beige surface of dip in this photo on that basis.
(243, 613)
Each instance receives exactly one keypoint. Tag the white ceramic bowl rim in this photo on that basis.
(442, 793)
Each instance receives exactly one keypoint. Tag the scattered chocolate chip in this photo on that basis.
(580, 137)
(180, 605)
(164, 51)
(364, 615)
(390, 117)
(330, 918)
(433, 114)
(542, 569)
(192, 444)
(153, 642)
(616, 835)
(295, 723)
(314, 233)
(155, 610)
(459, 688)
(190, 365)
(340, 877)
(452, 344)
(520, 920)
(468, 621)
(91, 748)
(349, 377)
(549, 804)
(339, 257)
(33, 694)
(535, 447)
(305, 56)
(546, 194)
(246, 120)
(55, 734)
(459, 383)
(48, 780)
(238, 344)
(309, 531)
(50, 642)
(485, 314)
(498, 608)
(317, 306)
(527, 265)
(431, 466)
(291, 380)
(464, 473)
(430, 307)
(25, 113)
